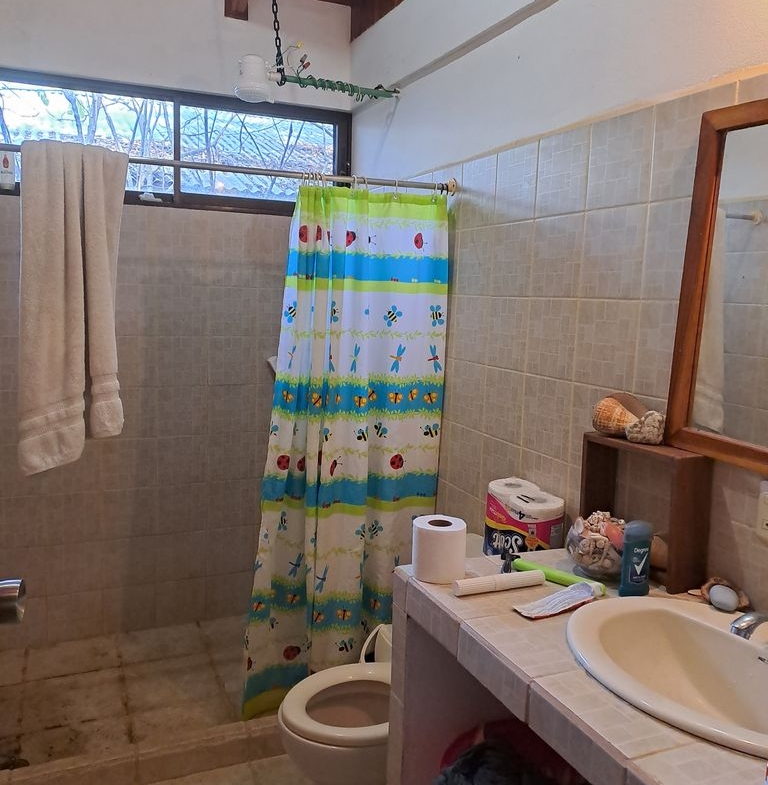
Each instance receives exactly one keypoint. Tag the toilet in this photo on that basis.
(334, 724)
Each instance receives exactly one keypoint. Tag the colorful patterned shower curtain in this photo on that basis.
(355, 429)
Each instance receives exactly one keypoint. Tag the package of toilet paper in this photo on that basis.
(520, 517)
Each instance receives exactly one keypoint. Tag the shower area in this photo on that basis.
(138, 558)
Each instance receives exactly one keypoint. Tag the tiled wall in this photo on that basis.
(156, 526)
(745, 317)
(567, 259)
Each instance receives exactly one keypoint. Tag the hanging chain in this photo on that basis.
(358, 93)
(278, 45)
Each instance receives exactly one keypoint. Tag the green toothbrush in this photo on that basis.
(558, 576)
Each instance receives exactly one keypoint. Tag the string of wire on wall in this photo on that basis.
(255, 82)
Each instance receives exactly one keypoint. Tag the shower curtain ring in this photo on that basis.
(397, 186)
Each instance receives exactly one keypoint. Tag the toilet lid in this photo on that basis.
(293, 710)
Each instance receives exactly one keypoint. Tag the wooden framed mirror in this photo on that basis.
(718, 393)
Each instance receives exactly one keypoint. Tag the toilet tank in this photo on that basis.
(382, 651)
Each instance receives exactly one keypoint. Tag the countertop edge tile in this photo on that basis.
(505, 682)
(694, 763)
(572, 738)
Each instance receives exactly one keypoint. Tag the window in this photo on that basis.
(160, 125)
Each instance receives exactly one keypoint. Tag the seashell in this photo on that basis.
(615, 535)
(649, 429)
(611, 417)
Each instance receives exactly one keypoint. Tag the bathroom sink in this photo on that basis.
(678, 661)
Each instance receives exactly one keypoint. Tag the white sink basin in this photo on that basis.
(677, 661)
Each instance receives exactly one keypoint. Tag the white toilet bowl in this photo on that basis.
(335, 724)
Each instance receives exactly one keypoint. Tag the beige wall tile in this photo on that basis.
(474, 252)
(561, 184)
(551, 337)
(614, 242)
(546, 427)
(558, 252)
(507, 319)
(463, 380)
(605, 343)
(655, 342)
(665, 249)
(180, 601)
(516, 183)
(620, 160)
(676, 140)
(512, 256)
(478, 193)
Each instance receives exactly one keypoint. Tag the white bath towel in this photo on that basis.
(710, 373)
(71, 208)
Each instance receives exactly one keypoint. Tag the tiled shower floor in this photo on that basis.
(100, 695)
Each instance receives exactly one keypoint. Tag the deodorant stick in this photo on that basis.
(636, 559)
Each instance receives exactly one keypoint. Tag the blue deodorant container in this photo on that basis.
(636, 559)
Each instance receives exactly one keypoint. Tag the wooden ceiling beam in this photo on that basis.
(236, 9)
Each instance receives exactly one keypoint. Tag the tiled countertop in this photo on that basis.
(528, 666)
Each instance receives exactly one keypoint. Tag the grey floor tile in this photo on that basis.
(166, 723)
(277, 771)
(64, 659)
(11, 666)
(79, 738)
(160, 643)
(64, 700)
(161, 683)
(241, 774)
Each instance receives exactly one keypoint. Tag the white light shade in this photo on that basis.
(253, 85)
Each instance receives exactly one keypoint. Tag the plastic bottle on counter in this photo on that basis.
(636, 559)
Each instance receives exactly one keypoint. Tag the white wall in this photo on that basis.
(571, 61)
(185, 44)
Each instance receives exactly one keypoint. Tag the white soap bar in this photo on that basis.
(499, 582)
(723, 597)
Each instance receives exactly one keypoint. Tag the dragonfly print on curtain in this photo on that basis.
(355, 431)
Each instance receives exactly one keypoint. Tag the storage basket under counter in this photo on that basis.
(690, 488)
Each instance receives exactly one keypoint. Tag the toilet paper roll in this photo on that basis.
(539, 506)
(507, 487)
(439, 547)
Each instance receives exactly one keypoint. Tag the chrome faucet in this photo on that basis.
(13, 595)
(747, 623)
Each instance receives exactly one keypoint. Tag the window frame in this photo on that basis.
(342, 121)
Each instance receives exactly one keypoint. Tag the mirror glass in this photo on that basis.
(718, 391)
(731, 391)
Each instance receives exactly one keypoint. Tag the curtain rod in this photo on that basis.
(449, 187)
(756, 217)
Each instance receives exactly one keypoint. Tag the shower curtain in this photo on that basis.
(355, 431)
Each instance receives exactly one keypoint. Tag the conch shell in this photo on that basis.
(614, 413)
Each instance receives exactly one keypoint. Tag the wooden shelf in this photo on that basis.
(690, 481)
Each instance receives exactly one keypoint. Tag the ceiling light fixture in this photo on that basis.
(254, 83)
